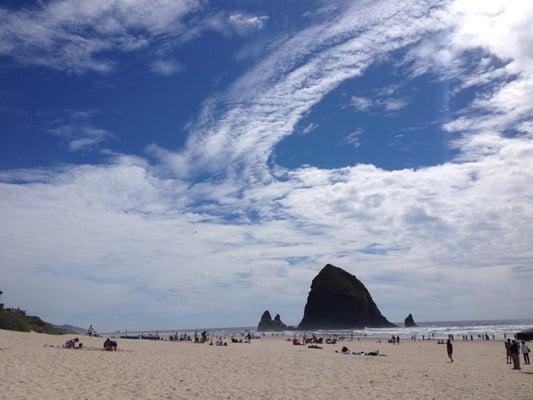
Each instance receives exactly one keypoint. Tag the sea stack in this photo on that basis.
(338, 300)
(267, 324)
(410, 322)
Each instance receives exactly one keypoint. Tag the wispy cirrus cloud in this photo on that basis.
(385, 99)
(67, 35)
(309, 128)
(166, 67)
(77, 130)
(361, 103)
(245, 23)
(268, 100)
(387, 104)
(354, 138)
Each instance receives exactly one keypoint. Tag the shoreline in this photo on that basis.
(435, 332)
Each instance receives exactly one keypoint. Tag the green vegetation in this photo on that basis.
(17, 320)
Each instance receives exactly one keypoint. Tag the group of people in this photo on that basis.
(346, 350)
(109, 345)
(204, 337)
(180, 338)
(514, 349)
(219, 342)
(394, 340)
(312, 340)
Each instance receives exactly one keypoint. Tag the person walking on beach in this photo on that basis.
(525, 351)
(515, 354)
(508, 350)
(449, 349)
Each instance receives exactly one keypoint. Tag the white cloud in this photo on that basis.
(244, 23)
(309, 128)
(69, 35)
(383, 100)
(166, 67)
(354, 138)
(395, 104)
(361, 103)
(499, 34)
(78, 131)
(123, 228)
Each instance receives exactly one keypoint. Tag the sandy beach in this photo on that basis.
(269, 368)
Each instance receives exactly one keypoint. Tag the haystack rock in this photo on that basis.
(338, 300)
(267, 324)
(410, 322)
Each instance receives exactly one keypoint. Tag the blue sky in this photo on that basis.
(193, 163)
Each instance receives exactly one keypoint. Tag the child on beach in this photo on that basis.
(71, 344)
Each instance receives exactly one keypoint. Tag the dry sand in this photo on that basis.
(270, 368)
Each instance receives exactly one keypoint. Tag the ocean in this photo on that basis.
(436, 330)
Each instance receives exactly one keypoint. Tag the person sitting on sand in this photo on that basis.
(449, 349)
(71, 344)
(295, 341)
(110, 345)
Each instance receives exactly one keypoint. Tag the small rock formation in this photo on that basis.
(410, 322)
(338, 300)
(267, 324)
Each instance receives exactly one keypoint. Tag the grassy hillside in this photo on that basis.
(72, 329)
(15, 320)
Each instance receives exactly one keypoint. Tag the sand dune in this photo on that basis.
(270, 368)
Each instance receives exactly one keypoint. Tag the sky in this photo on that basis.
(192, 163)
